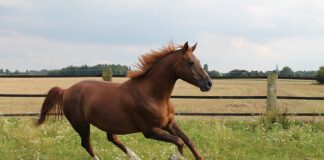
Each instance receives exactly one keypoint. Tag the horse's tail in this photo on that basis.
(52, 103)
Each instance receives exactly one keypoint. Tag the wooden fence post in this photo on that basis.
(272, 91)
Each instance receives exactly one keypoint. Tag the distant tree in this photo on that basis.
(237, 73)
(206, 67)
(107, 75)
(298, 74)
(1, 71)
(320, 75)
(286, 72)
(7, 71)
(213, 74)
(120, 70)
(307, 74)
(16, 72)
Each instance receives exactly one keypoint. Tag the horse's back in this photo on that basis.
(102, 104)
(89, 93)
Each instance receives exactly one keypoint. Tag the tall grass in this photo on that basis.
(214, 138)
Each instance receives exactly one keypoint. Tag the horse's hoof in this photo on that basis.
(176, 156)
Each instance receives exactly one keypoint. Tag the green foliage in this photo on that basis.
(107, 75)
(320, 75)
(237, 73)
(213, 74)
(118, 70)
(206, 67)
(286, 72)
(121, 70)
(273, 118)
(215, 139)
(305, 74)
(7, 71)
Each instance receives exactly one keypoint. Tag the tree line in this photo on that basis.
(121, 70)
(285, 72)
(84, 70)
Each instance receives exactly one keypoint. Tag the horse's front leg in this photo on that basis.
(162, 135)
(174, 129)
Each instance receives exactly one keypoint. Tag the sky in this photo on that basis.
(233, 34)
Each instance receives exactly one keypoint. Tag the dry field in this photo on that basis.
(236, 87)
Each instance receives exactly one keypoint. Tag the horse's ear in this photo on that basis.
(185, 47)
(194, 47)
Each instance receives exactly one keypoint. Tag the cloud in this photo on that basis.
(225, 53)
(18, 51)
(230, 34)
(17, 4)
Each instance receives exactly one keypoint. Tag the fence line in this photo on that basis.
(271, 99)
(190, 114)
(188, 97)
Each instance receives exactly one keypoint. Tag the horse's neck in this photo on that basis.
(161, 79)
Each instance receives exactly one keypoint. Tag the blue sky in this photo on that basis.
(252, 35)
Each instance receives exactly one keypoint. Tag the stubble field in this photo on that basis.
(236, 87)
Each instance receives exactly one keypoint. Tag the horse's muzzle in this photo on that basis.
(205, 85)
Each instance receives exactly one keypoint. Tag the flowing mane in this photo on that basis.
(146, 61)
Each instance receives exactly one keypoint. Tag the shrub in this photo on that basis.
(274, 119)
(107, 75)
(320, 75)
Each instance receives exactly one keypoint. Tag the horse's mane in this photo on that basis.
(146, 61)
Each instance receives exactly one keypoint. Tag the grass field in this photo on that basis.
(236, 87)
(215, 139)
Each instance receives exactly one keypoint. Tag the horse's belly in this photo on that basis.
(118, 129)
(114, 122)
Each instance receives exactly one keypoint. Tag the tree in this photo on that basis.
(16, 72)
(7, 72)
(237, 73)
(213, 74)
(320, 75)
(107, 74)
(286, 72)
(1, 71)
(119, 70)
(206, 67)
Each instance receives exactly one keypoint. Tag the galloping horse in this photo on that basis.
(141, 104)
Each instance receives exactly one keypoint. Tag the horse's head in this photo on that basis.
(189, 69)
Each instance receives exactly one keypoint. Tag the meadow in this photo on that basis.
(216, 138)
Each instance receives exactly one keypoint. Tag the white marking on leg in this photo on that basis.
(95, 158)
(131, 154)
(176, 156)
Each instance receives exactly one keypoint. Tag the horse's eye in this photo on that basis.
(191, 63)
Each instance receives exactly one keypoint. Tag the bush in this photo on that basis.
(107, 75)
(320, 75)
(274, 119)
(213, 74)
(286, 72)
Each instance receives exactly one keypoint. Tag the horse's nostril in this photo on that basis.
(209, 84)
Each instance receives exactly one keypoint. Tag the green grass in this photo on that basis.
(214, 138)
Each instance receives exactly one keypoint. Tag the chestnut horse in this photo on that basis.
(141, 104)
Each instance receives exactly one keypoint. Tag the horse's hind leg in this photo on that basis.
(113, 138)
(83, 128)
